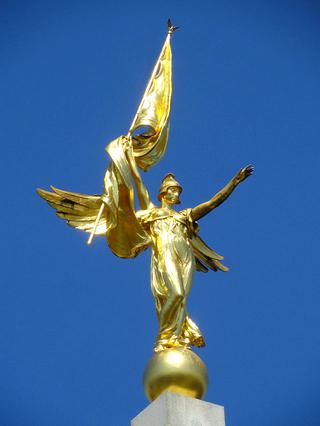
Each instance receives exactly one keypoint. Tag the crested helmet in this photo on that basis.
(168, 182)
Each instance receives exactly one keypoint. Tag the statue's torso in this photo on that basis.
(167, 228)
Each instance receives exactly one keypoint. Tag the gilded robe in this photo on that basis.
(173, 262)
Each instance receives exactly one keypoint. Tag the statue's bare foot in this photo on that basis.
(159, 347)
(199, 342)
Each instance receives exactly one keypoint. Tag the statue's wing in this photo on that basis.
(79, 210)
(205, 256)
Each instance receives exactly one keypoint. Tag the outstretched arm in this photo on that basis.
(202, 209)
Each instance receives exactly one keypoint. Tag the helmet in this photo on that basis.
(168, 182)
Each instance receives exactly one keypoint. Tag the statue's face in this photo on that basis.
(172, 195)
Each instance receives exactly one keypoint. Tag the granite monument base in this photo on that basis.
(172, 409)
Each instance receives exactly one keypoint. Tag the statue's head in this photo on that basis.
(170, 190)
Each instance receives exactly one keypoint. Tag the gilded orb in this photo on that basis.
(177, 370)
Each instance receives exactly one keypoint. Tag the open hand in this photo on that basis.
(244, 173)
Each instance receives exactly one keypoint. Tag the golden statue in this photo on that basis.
(177, 249)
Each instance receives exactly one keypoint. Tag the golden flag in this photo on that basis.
(152, 117)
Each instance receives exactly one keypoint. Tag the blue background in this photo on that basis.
(77, 323)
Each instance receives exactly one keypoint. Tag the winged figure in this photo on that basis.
(177, 249)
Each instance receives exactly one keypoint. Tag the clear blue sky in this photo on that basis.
(77, 323)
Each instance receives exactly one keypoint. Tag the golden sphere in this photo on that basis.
(177, 370)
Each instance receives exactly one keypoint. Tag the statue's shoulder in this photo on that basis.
(191, 223)
(151, 214)
(187, 214)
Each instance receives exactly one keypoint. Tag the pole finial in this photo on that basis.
(171, 28)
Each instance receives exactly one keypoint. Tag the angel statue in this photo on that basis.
(177, 249)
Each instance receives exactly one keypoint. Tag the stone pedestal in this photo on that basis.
(172, 409)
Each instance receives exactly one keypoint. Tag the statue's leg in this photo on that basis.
(186, 276)
(171, 312)
(190, 333)
(172, 272)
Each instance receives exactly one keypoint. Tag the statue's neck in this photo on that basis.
(166, 205)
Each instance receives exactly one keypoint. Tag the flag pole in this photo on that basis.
(171, 29)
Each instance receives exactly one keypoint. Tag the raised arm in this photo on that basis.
(202, 209)
(143, 194)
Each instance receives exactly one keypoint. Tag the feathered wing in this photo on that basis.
(117, 221)
(79, 210)
(205, 256)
